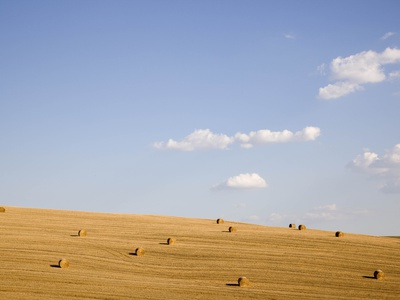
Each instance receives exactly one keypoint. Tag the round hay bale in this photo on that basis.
(243, 281)
(171, 241)
(378, 274)
(220, 221)
(292, 225)
(63, 263)
(302, 227)
(2, 209)
(82, 232)
(339, 234)
(232, 229)
(139, 251)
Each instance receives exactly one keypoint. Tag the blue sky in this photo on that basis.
(269, 112)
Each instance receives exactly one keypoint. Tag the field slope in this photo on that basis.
(205, 262)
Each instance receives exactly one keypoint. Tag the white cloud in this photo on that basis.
(331, 212)
(359, 68)
(387, 35)
(338, 89)
(266, 136)
(290, 36)
(393, 156)
(274, 217)
(394, 74)
(321, 69)
(243, 181)
(328, 207)
(385, 169)
(246, 145)
(253, 218)
(355, 70)
(362, 162)
(391, 186)
(324, 213)
(309, 133)
(205, 139)
(199, 139)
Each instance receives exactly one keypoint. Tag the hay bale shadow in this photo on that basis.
(369, 277)
(74, 235)
(163, 243)
(232, 284)
(55, 266)
(133, 254)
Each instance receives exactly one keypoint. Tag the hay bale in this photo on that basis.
(302, 227)
(339, 234)
(378, 274)
(292, 225)
(171, 241)
(82, 232)
(63, 263)
(232, 229)
(2, 209)
(220, 221)
(139, 251)
(243, 281)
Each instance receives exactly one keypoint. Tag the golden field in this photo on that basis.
(204, 263)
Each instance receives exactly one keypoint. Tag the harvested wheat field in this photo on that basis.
(205, 263)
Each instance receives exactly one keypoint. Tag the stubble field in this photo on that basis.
(204, 263)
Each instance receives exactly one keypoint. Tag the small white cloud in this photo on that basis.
(199, 139)
(246, 145)
(253, 218)
(309, 133)
(392, 157)
(290, 36)
(328, 207)
(324, 213)
(355, 70)
(391, 186)
(321, 69)
(266, 136)
(330, 212)
(363, 161)
(387, 35)
(362, 67)
(205, 139)
(385, 169)
(275, 217)
(243, 181)
(338, 89)
(394, 74)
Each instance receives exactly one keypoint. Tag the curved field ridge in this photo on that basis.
(206, 263)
